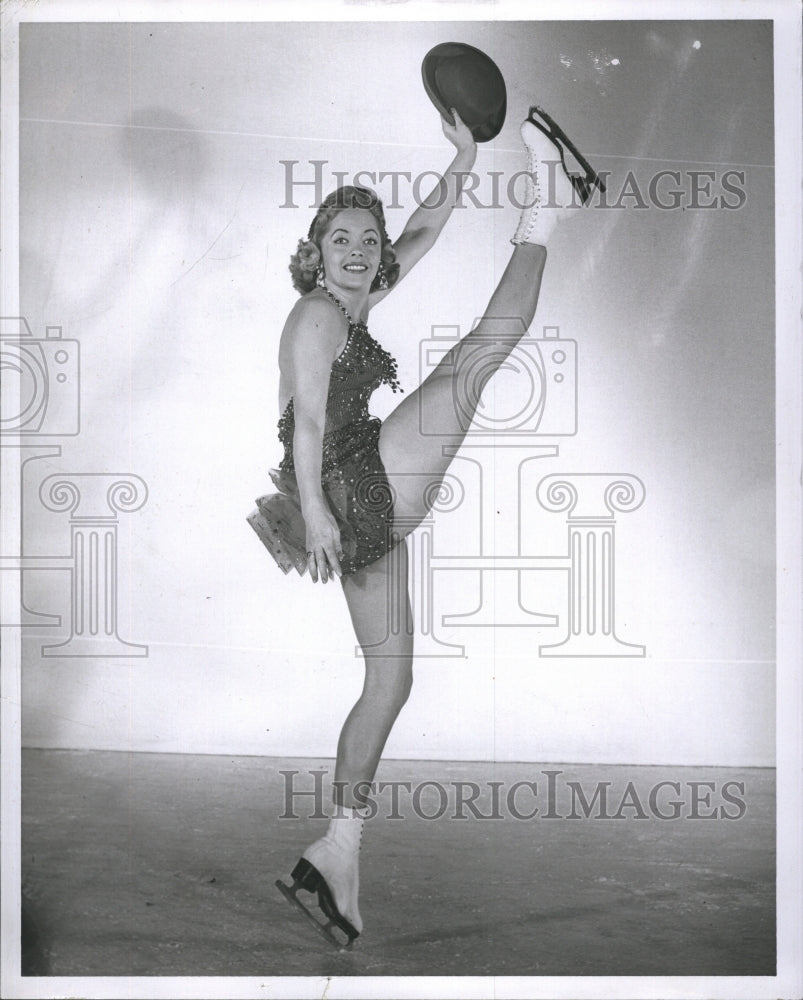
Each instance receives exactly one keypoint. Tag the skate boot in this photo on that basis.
(330, 868)
(552, 194)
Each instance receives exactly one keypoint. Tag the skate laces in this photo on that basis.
(532, 208)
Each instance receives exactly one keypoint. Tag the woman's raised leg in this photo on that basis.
(416, 458)
(445, 403)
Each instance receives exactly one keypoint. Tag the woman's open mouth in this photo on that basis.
(356, 268)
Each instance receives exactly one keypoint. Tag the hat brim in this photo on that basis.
(491, 125)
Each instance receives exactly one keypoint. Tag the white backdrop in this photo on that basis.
(155, 230)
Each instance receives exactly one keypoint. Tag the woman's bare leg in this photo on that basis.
(415, 462)
(376, 596)
(379, 605)
(449, 396)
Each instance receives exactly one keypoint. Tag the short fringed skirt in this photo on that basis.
(359, 497)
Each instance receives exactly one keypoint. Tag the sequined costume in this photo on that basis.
(352, 474)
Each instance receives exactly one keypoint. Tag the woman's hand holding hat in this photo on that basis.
(458, 133)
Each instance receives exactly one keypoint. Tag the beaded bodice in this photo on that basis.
(361, 367)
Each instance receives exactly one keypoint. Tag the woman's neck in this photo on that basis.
(353, 301)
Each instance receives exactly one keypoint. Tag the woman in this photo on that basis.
(352, 487)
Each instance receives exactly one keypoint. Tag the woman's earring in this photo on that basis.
(320, 276)
(382, 276)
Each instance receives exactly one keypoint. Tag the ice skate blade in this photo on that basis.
(585, 183)
(326, 930)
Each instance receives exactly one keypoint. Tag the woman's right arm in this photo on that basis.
(313, 336)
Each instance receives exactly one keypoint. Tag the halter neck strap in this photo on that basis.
(342, 308)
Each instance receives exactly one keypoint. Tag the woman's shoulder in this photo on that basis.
(317, 302)
(315, 309)
(314, 321)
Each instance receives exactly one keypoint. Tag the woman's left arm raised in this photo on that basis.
(425, 224)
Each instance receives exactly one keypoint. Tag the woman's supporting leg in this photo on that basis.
(380, 610)
(414, 457)
(379, 605)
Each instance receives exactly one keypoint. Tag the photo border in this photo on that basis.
(787, 56)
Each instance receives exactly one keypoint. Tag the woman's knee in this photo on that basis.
(402, 688)
(390, 685)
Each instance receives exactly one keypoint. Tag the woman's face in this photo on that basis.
(352, 249)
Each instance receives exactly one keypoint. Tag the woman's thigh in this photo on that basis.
(419, 438)
(379, 604)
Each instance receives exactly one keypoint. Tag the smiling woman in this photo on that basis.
(306, 263)
(352, 487)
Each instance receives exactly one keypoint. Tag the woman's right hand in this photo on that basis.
(324, 549)
(459, 134)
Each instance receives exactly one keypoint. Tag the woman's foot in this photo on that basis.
(552, 193)
(329, 868)
(337, 857)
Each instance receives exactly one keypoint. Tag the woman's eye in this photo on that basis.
(340, 239)
(371, 241)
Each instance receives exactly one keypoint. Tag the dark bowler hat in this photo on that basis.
(460, 76)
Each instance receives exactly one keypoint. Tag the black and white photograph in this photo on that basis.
(401, 540)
